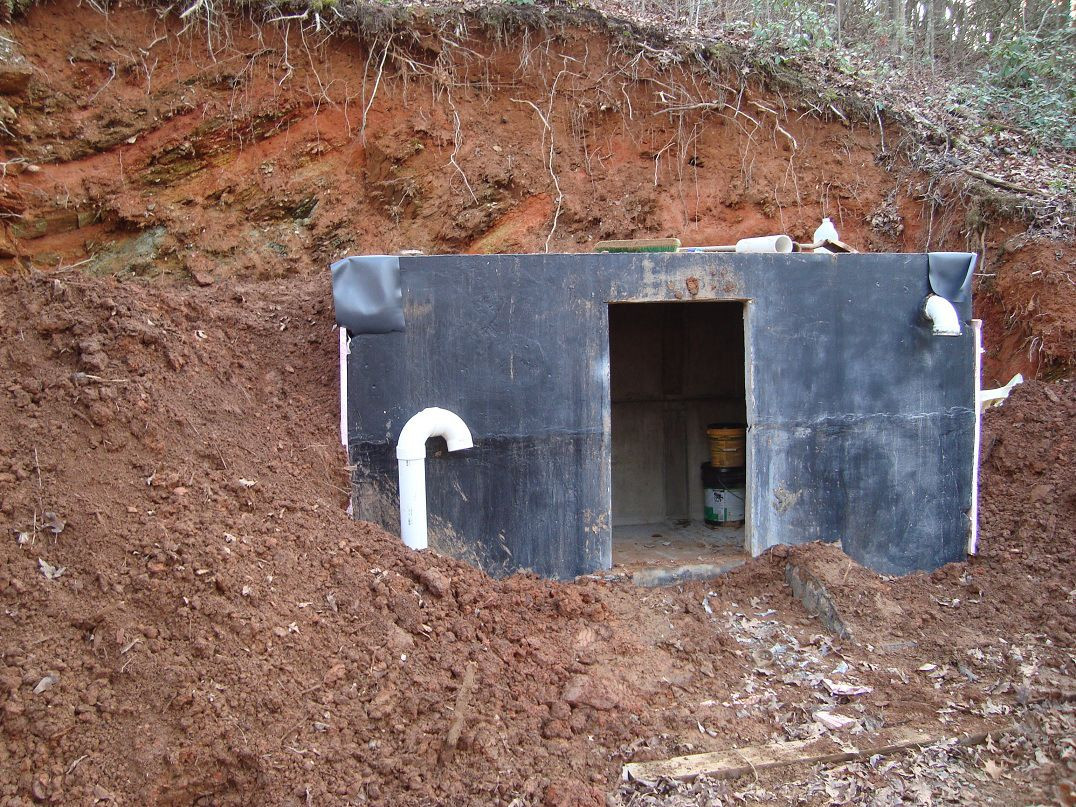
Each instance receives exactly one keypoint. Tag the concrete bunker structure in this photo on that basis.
(587, 382)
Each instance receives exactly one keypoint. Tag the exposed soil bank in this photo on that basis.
(269, 151)
(187, 614)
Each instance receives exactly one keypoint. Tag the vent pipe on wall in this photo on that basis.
(411, 452)
(345, 351)
(943, 316)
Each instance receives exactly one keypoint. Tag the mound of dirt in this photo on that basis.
(1028, 505)
(190, 616)
(187, 614)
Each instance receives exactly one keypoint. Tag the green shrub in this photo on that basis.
(1029, 82)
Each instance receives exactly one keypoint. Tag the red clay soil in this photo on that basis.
(1035, 330)
(277, 156)
(188, 614)
(221, 632)
(142, 148)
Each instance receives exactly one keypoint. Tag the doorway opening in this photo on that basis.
(674, 369)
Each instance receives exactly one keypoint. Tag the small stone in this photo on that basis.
(438, 584)
(46, 683)
(15, 74)
(40, 788)
(595, 692)
(334, 674)
(556, 729)
(400, 641)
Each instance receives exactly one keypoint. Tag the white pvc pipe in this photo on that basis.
(345, 350)
(973, 514)
(943, 316)
(411, 452)
(765, 243)
(989, 397)
(413, 525)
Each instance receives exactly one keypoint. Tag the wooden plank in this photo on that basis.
(738, 762)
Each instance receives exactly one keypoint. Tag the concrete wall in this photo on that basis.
(860, 420)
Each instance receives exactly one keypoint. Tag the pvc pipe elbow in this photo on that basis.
(432, 422)
(942, 315)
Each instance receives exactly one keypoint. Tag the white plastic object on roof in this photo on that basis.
(826, 231)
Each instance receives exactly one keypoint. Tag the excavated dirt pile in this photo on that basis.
(190, 616)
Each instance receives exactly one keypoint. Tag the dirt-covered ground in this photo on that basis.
(188, 614)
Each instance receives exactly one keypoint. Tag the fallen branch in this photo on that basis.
(463, 700)
(990, 179)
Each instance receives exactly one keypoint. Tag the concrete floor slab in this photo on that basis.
(674, 544)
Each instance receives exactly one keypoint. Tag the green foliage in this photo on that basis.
(1006, 76)
(1029, 81)
(13, 8)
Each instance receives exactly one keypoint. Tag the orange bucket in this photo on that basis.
(728, 444)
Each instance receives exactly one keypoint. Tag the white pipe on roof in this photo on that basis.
(411, 452)
(765, 243)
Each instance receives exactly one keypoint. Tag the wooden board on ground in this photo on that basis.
(738, 762)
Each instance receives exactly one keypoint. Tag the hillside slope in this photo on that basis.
(142, 145)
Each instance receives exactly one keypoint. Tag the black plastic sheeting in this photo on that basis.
(367, 294)
(950, 274)
(861, 422)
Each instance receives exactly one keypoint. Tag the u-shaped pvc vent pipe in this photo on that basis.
(411, 452)
(942, 315)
